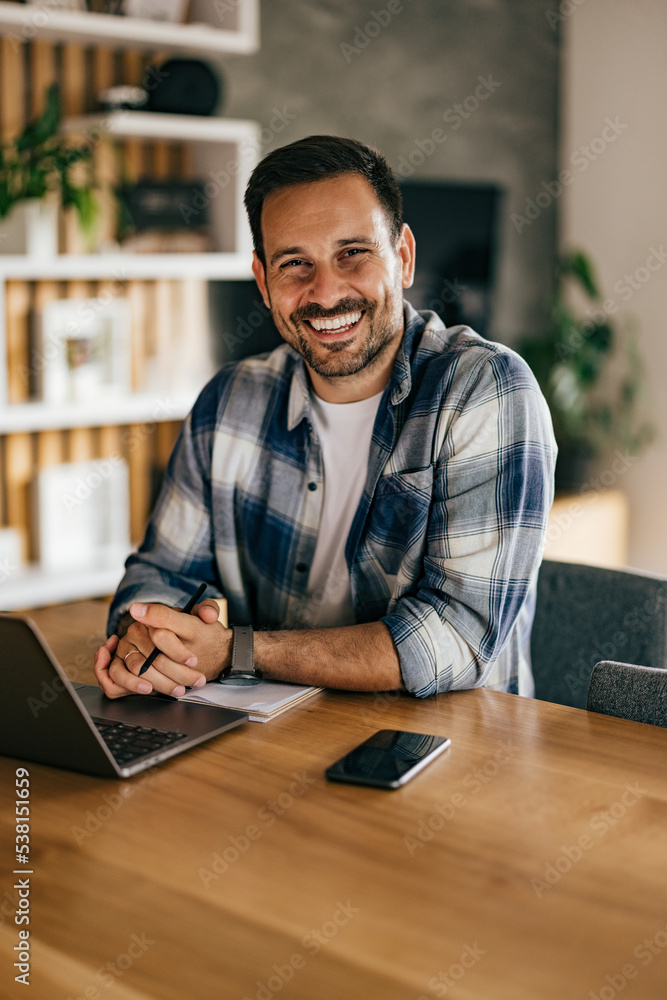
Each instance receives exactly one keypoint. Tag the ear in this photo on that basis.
(405, 248)
(260, 278)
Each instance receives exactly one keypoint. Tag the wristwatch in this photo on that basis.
(242, 670)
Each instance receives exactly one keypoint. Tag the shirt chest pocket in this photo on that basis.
(398, 520)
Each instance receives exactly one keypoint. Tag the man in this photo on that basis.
(372, 495)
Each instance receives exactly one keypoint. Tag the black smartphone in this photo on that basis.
(387, 759)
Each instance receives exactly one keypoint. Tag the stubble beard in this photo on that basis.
(384, 325)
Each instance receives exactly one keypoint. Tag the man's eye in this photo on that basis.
(297, 262)
(354, 251)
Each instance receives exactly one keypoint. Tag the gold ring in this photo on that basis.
(129, 654)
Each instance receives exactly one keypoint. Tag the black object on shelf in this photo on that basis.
(105, 6)
(183, 87)
(165, 205)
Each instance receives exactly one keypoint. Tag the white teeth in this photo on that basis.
(337, 322)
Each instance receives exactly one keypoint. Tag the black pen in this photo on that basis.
(186, 611)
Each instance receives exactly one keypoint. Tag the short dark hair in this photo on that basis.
(317, 158)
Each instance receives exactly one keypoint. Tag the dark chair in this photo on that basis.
(629, 691)
(585, 614)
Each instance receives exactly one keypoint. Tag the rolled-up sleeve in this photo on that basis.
(493, 487)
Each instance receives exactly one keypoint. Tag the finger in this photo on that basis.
(172, 647)
(124, 680)
(159, 616)
(136, 637)
(166, 675)
(103, 658)
(208, 611)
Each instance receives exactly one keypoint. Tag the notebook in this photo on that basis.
(46, 718)
(262, 701)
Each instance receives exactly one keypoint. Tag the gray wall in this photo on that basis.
(394, 90)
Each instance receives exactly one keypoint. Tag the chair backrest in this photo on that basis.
(585, 614)
(629, 691)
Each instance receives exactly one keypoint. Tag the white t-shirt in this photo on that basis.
(344, 431)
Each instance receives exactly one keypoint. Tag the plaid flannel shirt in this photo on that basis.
(448, 536)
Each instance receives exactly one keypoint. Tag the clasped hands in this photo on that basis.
(194, 648)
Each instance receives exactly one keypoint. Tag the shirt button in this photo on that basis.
(312, 487)
(301, 567)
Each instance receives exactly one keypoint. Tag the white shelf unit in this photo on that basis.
(125, 266)
(232, 26)
(33, 587)
(217, 144)
(139, 408)
(223, 154)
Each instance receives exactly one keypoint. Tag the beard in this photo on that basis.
(336, 359)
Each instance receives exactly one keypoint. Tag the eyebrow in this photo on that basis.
(339, 244)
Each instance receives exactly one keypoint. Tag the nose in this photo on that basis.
(327, 286)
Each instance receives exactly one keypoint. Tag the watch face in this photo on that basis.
(240, 680)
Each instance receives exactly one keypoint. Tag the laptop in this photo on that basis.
(48, 719)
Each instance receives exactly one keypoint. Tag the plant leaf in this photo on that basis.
(39, 131)
(578, 266)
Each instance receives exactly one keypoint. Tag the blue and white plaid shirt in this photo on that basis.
(447, 539)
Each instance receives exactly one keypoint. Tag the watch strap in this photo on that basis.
(243, 652)
(242, 669)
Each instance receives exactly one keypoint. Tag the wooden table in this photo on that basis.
(528, 863)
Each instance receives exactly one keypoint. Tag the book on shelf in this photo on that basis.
(83, 514)
(262, 701)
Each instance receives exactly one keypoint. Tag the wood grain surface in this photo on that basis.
(527, 863)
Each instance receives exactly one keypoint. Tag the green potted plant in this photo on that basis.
(41, 161)
(590, 373)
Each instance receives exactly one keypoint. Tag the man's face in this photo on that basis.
(334, 278)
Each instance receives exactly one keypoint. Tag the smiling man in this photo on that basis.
(371, 496)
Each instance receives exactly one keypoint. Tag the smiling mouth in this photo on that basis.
(335, 326)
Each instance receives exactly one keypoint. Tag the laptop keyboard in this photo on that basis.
(128, 742)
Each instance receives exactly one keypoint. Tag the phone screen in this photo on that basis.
(387, 759)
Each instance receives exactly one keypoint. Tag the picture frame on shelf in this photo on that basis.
(84, 350)
(82, 510)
